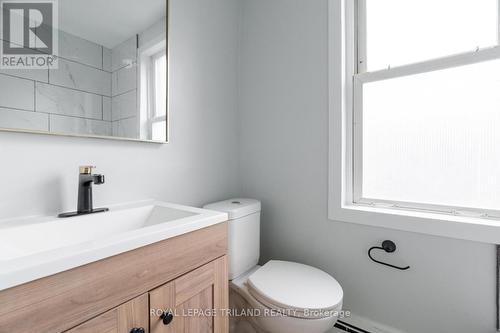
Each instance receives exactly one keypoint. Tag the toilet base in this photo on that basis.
(239, 323)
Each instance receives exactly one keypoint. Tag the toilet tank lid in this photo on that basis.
(236, 208)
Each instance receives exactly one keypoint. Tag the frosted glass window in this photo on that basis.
(159, 131)
(158, 112)
(434, 137)
(407, 31)
(160, 83)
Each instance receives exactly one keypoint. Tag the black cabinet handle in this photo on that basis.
(167, 317)
(138, 330)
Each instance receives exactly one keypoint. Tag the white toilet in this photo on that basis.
(280, 296)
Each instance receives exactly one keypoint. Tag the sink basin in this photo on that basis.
(29, 239)
(33, 248)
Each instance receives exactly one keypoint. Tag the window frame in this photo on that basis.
(346, 76)
(146, 52)
(153, 117)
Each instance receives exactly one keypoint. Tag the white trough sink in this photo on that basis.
(33, 248)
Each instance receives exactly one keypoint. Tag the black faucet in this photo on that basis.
(85, 201)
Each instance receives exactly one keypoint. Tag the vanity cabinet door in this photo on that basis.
(195, 302)
(131, 317)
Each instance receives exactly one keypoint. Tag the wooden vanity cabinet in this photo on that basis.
(195, 302)
(132, 316)
(126, 293)
(192, 303)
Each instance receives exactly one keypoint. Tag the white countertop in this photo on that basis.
(33, 248)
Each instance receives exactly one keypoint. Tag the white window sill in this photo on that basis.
(468, 228)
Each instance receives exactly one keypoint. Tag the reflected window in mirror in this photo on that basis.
(158, 116)
(153, 79)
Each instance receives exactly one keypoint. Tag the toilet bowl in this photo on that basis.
(280, 296)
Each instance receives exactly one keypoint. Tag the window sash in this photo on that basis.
(152, 121)
(360, 35)
(152, 113)
(466, 58)
(429, 208)
(355, 114)
(157, 119)
(154, 58)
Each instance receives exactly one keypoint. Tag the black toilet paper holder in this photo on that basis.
(389, 247)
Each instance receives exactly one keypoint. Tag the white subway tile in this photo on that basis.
(17, 93)
(23, 120)
(126, 128)
(73, 125)
(124, 80)
(124, 54)
(106, 59)
(81, 77)
(106, 108)
(41, 75)
(125, 105)
(58, 100)
(80, 50)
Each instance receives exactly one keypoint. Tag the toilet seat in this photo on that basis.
(241, 299)
(295, 290)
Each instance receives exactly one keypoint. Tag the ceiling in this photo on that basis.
(109, 22)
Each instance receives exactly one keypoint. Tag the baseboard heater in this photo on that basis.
(343, 326)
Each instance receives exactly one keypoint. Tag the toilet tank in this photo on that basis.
(244, 233)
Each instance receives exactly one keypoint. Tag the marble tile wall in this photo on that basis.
(73, 125)
(28, 120)
(124, 110)
(76, 98)
(93, 91)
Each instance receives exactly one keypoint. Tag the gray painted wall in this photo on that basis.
(284, 128)
(199, 165)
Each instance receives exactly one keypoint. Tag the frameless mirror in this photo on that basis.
(95, 68)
